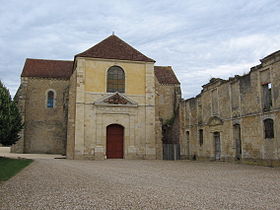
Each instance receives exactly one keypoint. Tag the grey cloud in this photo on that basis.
(198, 38)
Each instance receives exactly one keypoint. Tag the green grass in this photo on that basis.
(10, 167)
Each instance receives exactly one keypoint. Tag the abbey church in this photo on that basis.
(111, 101)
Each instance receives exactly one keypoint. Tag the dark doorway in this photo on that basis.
(188, 143)
(217, 143)
(237, 139)
(114, 141)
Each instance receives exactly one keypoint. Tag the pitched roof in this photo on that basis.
(63, 70)
(114, 48)
(165, 75)
(47, 68)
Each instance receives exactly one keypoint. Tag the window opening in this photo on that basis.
(115, 80)
(268, 129)
(200, 137)
(267, 97)
(50, 102)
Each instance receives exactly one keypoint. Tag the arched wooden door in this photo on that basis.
(114, 141)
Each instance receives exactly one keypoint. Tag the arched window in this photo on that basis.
(268, 128)
(50, 101)
(115, 80)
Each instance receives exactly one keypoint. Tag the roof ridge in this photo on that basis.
(131, 46)
(47, 68)
(165, 75)
(170, 67)
(270, 55)
(114, 47)
(43, 59)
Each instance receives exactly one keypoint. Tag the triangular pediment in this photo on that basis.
(116, 99)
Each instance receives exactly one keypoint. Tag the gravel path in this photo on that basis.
(130, 184)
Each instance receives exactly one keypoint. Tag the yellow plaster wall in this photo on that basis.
(96, 79)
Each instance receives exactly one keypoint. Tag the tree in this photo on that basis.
(10, 118)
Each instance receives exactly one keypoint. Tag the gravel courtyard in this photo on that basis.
(131, 184)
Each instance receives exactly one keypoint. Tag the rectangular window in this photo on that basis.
(268, 128)
(199, 111)
(214, 98)
(200, 137)
(267, 97)
(188, 136)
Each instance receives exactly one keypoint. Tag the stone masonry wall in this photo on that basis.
(168, 98)
(235, 110)
(45, 128)
(71, 117)
(91, 115)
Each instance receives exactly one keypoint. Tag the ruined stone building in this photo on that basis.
(111, 101)
(235, 119)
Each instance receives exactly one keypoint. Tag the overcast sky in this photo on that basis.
(200, 39)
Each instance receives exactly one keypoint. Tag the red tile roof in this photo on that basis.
(114, 48)
(47, 68)
(165, 75)
(63, 70)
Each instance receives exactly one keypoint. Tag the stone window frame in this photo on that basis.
(106, 76)
(234, 125)
(46, 98)
(213, 113)
(267, 98)
(187, 132)
(271, 134)
(188, 144)
(200, 136)
(219, 133)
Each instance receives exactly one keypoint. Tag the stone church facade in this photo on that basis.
(111, 101)
(101, 105)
